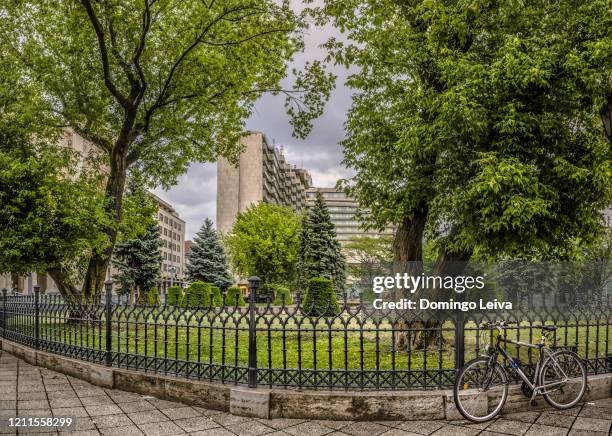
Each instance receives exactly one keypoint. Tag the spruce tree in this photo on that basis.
(320, 252)
(207, 261)
(138, 262)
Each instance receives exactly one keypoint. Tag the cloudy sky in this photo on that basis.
(194, 196)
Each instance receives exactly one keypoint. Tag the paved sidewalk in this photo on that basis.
(30, 391)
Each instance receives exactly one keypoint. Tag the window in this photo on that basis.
(178, 259)
(165, 231)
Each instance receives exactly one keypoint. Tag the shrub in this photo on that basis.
(197, 295)
(282, 295)
(217, 298)
(233, 295)
(175, 296)
(148, 298)
(320, 297)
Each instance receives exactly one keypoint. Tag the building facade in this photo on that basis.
(172, 234)
(262, 175)
(343, 214)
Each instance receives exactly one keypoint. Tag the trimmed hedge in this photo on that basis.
(175, 296)
(149, 298)
(198, 295)
(320, 297)
(217, 298)
(234, 295)
(282, 295)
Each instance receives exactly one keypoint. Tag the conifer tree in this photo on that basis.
(207, 261)
(138, 262)
(320, 252)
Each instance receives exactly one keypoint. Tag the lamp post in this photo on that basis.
(172, 271)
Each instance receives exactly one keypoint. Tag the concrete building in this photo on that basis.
(262, 175)
(172, 232)
(343, 210)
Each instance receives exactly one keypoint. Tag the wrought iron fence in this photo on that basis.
(353, 347)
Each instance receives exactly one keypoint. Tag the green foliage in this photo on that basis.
(149, 298)
(264, 242)
(486, 124)
(371, 256)
(320, 253)
(207, 261)
(282, 295)
(217, 298)
(233, 296)
(138, 261)
(153, 85)
(320, 298)
(198, 294)
(175, 296)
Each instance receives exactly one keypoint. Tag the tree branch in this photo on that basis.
(103, 54)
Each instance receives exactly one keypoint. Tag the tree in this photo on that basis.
(320, 298)
(264, 242)
(477, 125)
(320, 252)
(206, 261)
(369, 256)
(138, 262)
(155, 84)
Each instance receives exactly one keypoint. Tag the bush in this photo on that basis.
(175, 296)
(234, 294)
(217, 298)
(148, 298)
(282, 295)
(197, 295)
(320, 297)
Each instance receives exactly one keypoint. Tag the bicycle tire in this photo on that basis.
(460, 383)
(583, 376)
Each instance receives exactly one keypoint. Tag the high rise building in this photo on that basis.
(172, 234)
(343, 211)
(262, 175)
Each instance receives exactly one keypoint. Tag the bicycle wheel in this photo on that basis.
(472, 380)
(563, 394)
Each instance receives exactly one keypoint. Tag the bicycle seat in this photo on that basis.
(549, 328)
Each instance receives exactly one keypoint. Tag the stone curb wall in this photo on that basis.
(284, 403)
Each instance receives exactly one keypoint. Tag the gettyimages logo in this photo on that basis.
(411, 283)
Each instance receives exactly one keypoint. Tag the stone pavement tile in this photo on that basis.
(398, 432)
(69, 411)
(65, 402)
(61, 394)
(555, 420)
(455, 430)
(104, 409)
(34, 395)
(249, 428)
(276, 433)
(131, 430)
(196, 423)
(363, 428)
(420, 427)
(91, 392)
(55, 380)
(573, 411)
(529, 417)
(58, 388)
(161, 429)
(119, 420)
(310, 428)
(136, 406)
(586, 433)
(281, 423)
(147, 416)
(11, 413)
(596, 412)
(546, 430)
(181, 412)
(214, 432)
(208, 412)
(490, 433)
(123, 397)
(29, 388)
(334, 425)
(97, 400)
(470, 424)
(8, 404)
(226, 419)
(163, 404)
(509, 426)
(41, 413)
(606, 402)
(32, 404)
(592, 424)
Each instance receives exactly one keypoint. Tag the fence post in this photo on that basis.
(37, 316)
(253, 285)
(460, 337)
(108, 285)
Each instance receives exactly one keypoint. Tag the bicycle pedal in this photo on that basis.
(533, 403)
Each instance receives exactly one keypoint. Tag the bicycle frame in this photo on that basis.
(543, 352)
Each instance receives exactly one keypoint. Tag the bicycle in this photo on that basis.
(553, 372)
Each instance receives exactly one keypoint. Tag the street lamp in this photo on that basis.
(172, 271)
